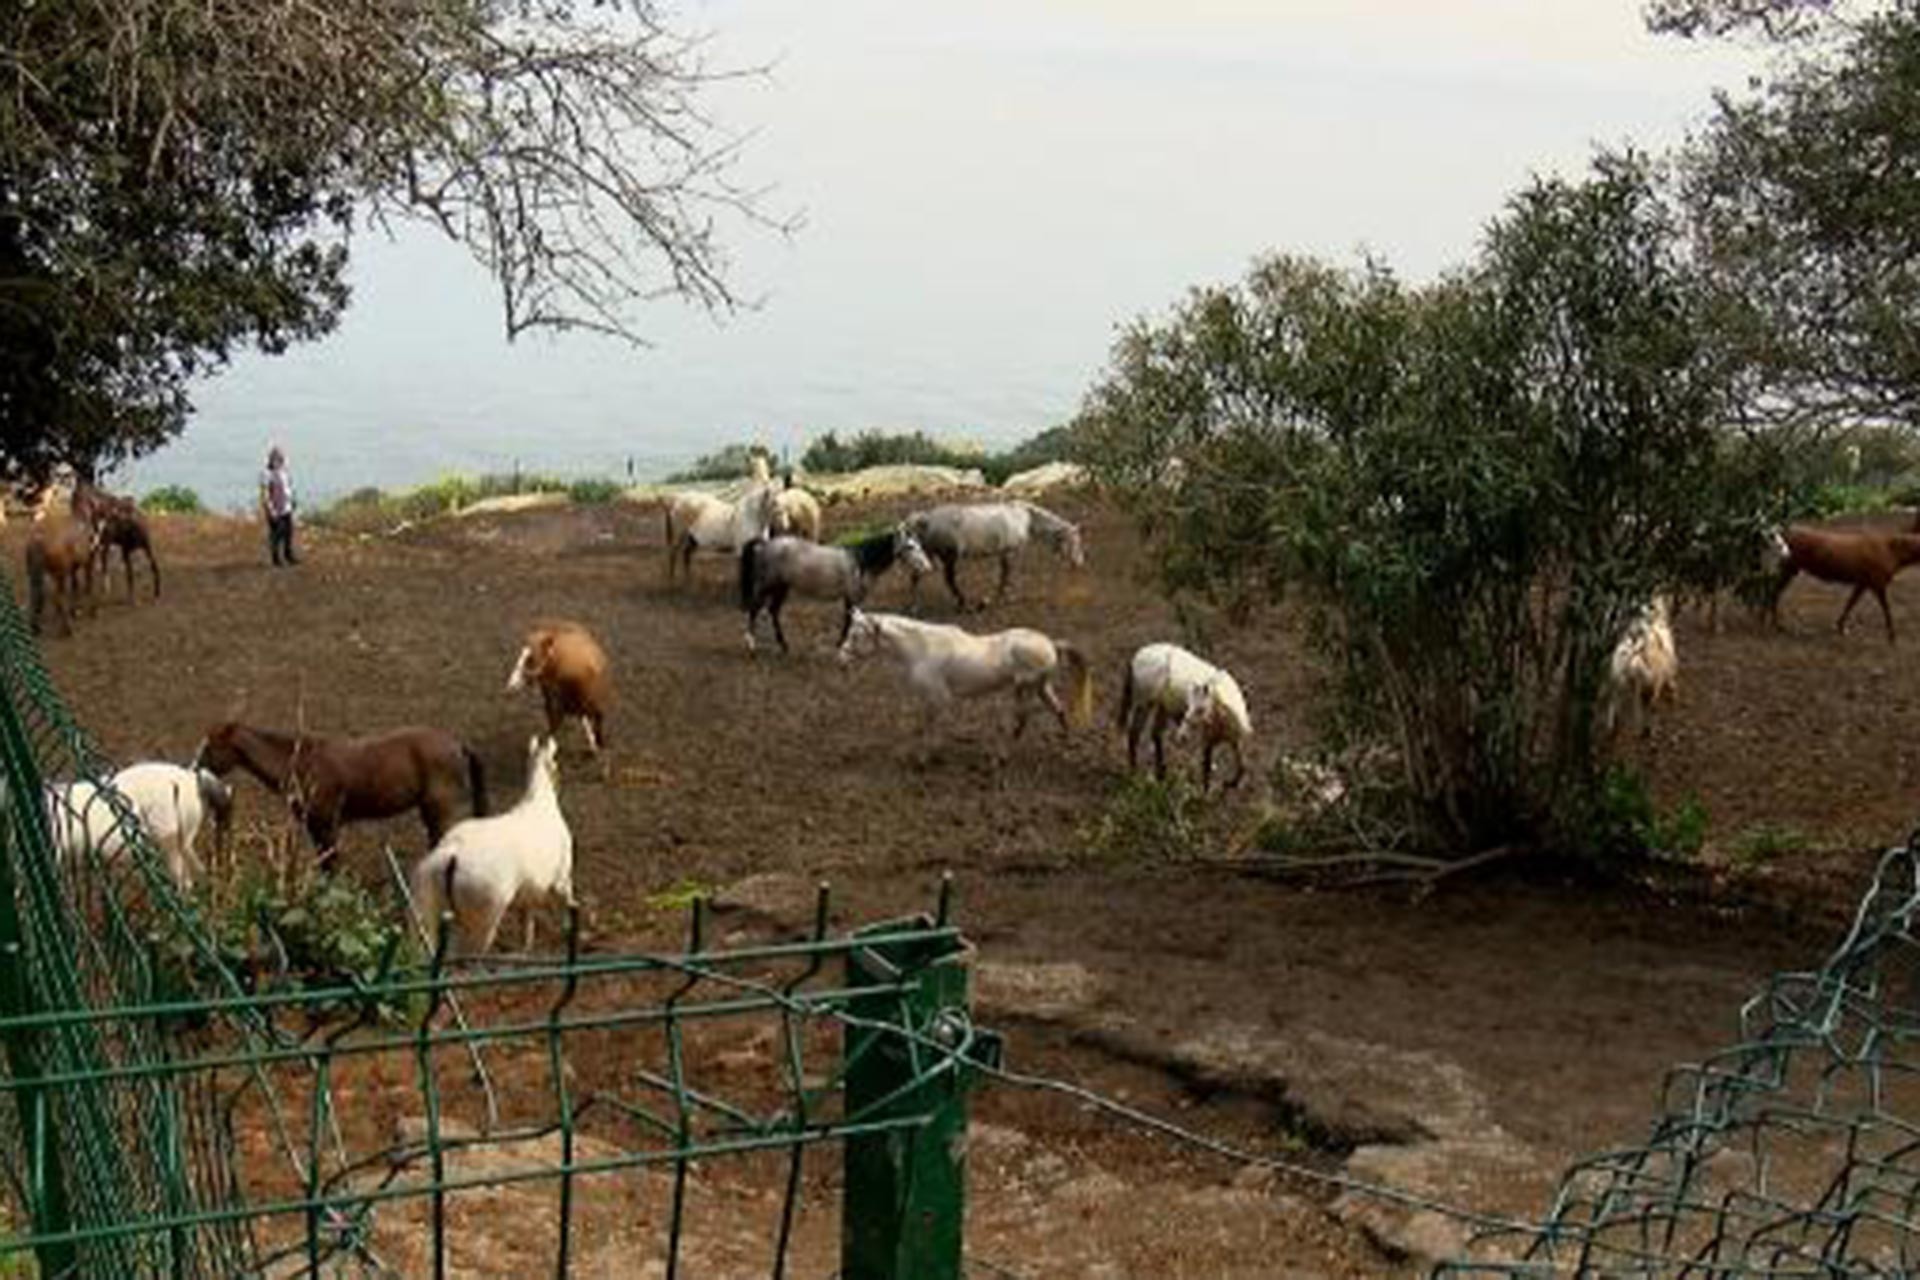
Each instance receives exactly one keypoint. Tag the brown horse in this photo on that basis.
(121, 525)
(329, 780)
(60, 547)
(1864, 561)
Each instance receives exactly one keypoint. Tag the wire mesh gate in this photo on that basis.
(162, 1113)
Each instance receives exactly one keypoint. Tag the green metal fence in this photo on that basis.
(165, 1113)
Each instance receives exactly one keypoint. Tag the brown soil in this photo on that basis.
(1299, 1023)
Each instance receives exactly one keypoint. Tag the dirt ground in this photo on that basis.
(1465, 1045)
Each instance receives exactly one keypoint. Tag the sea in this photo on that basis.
(961, 204)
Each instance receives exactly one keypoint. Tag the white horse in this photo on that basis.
(1165, 684)
(482, 866)
(950, 533)
(1644, 669)
(169, 801)
(796, 512)
(771, 569)
(944, 663)
(697, 521)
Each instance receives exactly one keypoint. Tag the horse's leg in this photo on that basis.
(949, 561)
(433, 817)
(153, 567)
(324, 830)
(1135, 724)
(596, 731)
(1787, 574)
(126, 563)
(1052, 699)
(846, 621)
(550, 703)
(1159, 744)
(1206, 764)
(1852, 600)
(1006, 576)
(1880, 594)
(778, 602)
(1022, 708)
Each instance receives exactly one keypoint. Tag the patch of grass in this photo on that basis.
(1145, 820)
(731, 462)
(174, 498)
(861, 532)
(680, 895)
(1766, 842)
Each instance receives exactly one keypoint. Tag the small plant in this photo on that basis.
(681, 895)
(729, 463)
(1765, 842)
(1625, 822)
(593, 492)
(1147, 820)
(325, 933)
(174, 498)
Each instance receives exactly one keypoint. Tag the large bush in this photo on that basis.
(1470, 486)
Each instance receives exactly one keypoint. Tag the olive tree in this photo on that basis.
(180, 177)
(1470, 486)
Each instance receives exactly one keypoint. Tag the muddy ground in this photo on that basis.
(1466, 1044)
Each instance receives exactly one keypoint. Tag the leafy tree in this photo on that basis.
(179, 178)
(1804, 193)
(1471, 487)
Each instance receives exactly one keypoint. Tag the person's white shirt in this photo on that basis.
(277, 497)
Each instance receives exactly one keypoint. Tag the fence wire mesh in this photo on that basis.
(165, 1112)
(1794, 1152)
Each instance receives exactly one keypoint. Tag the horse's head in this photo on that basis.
(863, 635)
(217, 797)
(1199, 710)
(543, 759)
(908, 551)
(533, 660)
(1071, 546)
(219, 751)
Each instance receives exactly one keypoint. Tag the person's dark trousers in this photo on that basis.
(280, 539)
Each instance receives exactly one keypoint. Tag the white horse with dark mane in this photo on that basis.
(704, 522)
(944, 663)
(964, 530)
(772, 568)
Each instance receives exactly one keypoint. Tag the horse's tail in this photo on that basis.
(1126, 694)
(1080, 693)
(36, 581)
(750, 571)
(476, 782)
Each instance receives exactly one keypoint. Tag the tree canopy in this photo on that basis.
(179, 178)
(1804, 198)
(1470, 487)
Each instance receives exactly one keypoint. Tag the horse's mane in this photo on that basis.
(1048, 524)
(874, 553)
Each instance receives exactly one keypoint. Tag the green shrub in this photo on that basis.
(591, 493)
(327, 933)
(174, 498)
(1624, 822)
(1145, 819)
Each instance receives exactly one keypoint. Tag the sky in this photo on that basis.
(987, 190)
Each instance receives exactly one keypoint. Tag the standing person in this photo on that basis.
(277, 505)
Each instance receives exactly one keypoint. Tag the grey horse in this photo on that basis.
(949, 533)
(771, 568)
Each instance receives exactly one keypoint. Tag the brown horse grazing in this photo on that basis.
(1864, 561)
(328, 781)
(121, 525)
(60, 548)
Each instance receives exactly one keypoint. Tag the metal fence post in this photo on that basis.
(903, 1210)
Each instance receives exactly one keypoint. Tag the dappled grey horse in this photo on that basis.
(949, 533)
(771, 568)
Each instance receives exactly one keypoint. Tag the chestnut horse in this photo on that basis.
(1864, 561)
(329, 780)
(60, 547)
(121, 525)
